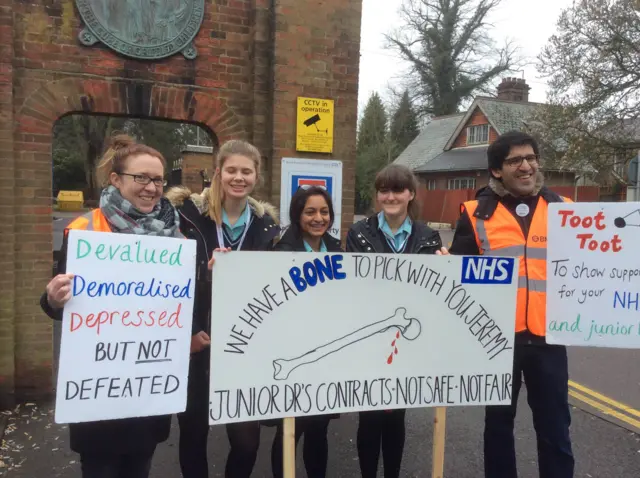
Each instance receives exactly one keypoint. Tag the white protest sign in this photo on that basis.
(126, 331)
(298, 172)
(593, 274)
(311, 333)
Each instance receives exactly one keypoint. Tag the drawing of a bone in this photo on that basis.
(409, 328)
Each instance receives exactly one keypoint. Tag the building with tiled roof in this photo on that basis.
(451, 151)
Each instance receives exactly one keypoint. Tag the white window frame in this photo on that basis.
(478, 134)
(431, 184)
(461, 183)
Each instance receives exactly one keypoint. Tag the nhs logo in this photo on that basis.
(487, 270)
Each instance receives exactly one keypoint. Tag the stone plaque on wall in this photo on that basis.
(144, 29)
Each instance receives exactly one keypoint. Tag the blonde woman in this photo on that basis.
(131, 203)
(223, 217)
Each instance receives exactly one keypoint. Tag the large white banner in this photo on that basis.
(126, 331)
(298, 334)
(298, 172)
(593, 274)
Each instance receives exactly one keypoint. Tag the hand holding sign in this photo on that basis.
(212, 261)
(59, 290)
(199, 342)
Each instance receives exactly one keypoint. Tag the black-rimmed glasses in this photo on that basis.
(516, 161)
(143, 179)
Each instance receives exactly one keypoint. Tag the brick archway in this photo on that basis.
(44, 106)
(33, 139)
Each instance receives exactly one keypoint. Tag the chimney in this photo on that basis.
(513, 89)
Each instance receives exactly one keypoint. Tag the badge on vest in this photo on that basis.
(487, 270)
(522, 210)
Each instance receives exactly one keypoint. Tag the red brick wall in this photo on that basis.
(8, 219)
(251, 65)
(318, 57)
(477, 118)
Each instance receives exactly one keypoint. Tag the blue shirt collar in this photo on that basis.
(398, 240)
(405, 228)
(323, 247)
(238, 227)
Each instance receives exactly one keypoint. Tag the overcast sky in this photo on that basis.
(528, 23)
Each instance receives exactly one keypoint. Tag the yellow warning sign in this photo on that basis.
(315, 125)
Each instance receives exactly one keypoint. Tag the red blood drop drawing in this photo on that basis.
(395, 349)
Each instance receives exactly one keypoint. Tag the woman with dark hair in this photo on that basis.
(311, 215)
(396, 229)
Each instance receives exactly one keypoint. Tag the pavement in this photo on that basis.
(34, 447)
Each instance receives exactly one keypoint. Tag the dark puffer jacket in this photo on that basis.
(293, 242)
(195, 223)
(366, 236)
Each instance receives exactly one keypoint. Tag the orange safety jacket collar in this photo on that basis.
(498, 233)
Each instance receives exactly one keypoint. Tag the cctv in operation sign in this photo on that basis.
(314, 132)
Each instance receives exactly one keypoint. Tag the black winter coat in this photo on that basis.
(293, 242)
(365, 236)
(196, 224)
(124, 436)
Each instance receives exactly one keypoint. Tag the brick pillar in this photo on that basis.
(262, 78)
(317, 54)
(7, 210)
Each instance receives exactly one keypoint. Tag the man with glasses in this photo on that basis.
(509, 218)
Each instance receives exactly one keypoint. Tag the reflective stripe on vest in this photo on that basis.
(501, 235)
(92, 221)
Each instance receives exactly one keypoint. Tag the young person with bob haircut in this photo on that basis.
(396, 229)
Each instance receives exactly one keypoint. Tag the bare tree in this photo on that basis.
(593, 61)
(593, 67)
(451, 54)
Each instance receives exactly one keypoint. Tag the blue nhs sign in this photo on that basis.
(487, 270)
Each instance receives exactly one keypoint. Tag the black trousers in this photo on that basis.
(134, 465)
(244, 438)
(546, 375)
(315, 451)
(381, 429)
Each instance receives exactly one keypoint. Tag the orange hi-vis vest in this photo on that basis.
(501, 235)
(92, 221)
